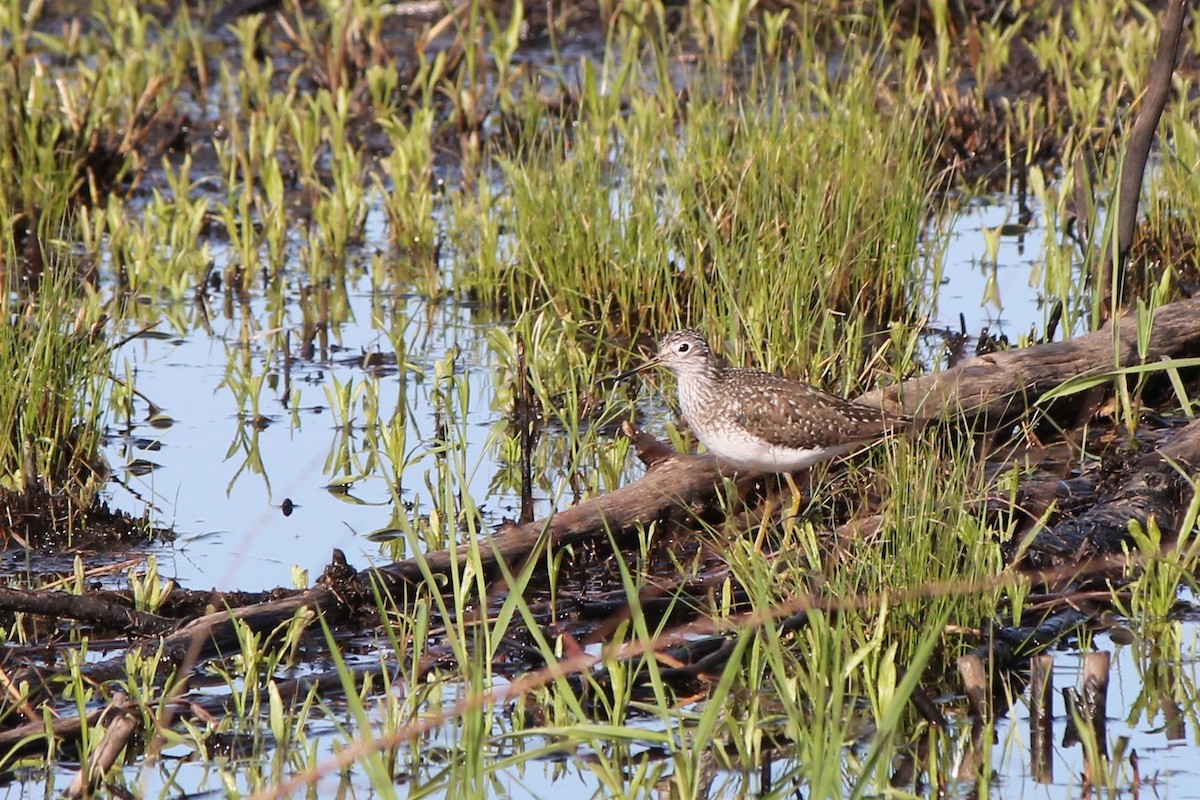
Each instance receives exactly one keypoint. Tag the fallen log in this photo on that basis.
(678, 488)
(1000, 387)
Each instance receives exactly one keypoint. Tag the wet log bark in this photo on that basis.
(122, 720)
(678, 487)
(83, 608)
(999, 388)
(1008, 647)
(1158, 490)
(1041, 718)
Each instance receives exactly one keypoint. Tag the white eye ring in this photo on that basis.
(683, 347)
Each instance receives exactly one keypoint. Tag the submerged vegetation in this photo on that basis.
(779, 174)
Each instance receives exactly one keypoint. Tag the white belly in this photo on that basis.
(747, 452)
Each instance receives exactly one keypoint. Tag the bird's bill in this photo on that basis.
(651, 364)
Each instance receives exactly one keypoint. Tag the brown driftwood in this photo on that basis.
(677, 487)
(1000, 387)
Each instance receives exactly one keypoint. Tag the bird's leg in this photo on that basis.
(770, 503)
(797, 495)
(774, 502)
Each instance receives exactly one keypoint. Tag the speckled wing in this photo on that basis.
(791, 414)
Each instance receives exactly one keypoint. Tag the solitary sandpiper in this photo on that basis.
(753, 420)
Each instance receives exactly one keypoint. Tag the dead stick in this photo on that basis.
(122, 721)
(1095, 696)
(1041, 718)
(1141, 137)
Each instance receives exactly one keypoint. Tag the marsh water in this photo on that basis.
(259, 466)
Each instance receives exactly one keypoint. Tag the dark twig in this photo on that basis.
(63, 605)
(1138, 153)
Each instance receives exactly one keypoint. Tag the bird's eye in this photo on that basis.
(684, 347)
